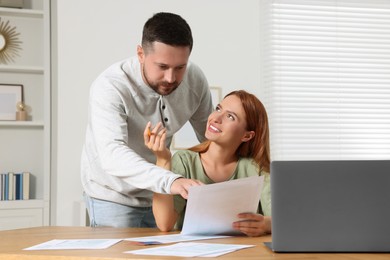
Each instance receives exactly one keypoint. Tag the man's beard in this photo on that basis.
(163, 88)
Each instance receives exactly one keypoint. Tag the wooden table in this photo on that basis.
(13, 241)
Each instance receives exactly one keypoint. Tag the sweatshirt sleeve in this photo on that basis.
(113, 156)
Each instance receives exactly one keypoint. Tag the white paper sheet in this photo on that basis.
(212, 209)
(190, 249)
(63, 244)
(165, 239)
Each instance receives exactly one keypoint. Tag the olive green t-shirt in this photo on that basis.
(188, 164)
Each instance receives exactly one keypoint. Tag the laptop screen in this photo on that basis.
(330, 206)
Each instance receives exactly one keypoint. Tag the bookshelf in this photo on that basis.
(25, 145)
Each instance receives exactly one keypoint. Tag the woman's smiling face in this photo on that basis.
(227, 124)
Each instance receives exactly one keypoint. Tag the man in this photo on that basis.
(159, 85)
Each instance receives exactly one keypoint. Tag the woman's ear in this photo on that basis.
(248, 136)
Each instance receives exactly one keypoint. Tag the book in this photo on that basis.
(10, 186)
(26, 186)
(15, 186)
(18, 195)
(2, 186)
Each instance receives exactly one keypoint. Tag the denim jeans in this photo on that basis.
(106, 213)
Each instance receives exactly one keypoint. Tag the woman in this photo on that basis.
(237, 146)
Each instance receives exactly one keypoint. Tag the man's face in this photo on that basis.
(163, 66)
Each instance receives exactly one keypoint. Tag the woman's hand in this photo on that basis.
(154, 139)
(253, 225)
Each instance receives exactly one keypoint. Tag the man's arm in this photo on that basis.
(109, 149)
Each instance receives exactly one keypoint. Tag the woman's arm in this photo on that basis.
(164, 211)
(163, 207)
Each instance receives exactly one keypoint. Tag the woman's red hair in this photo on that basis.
(258, 148)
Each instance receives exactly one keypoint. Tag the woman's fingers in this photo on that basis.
(147, 133)
(155, 137)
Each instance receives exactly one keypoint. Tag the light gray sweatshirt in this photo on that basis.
(116, 165)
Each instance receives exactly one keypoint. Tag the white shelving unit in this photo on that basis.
(25, 145)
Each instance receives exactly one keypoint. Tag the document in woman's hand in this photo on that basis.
(212, 209)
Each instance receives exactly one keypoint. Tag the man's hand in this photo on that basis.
(181, 186)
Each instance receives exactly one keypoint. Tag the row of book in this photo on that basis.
(15, 186)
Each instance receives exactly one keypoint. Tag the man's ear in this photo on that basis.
(140, 54)
(248, 136)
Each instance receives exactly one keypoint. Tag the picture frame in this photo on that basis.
(11, 95)
(186, 137)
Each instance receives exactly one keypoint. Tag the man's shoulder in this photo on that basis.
(121, 68)
(194, 73)
(193, 68)
(118, 74)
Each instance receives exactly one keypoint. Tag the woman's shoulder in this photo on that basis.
(247, 163)
(250, 165)
(187, 163)
(186, 155)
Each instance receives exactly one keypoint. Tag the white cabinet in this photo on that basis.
(25, 145)
(22, 214)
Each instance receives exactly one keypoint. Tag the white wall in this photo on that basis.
(89, 35)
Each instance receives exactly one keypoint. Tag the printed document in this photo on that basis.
(190, 249)
(63, 244)
(166, 239)
(212, 209)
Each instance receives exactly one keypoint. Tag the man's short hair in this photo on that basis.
(167, 28)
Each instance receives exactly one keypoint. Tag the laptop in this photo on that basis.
(330, 206)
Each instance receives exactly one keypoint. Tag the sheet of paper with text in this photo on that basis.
(212, 209)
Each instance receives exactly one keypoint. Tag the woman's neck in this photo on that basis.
(219, 163)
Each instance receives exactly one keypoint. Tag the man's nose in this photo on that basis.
(170, 76)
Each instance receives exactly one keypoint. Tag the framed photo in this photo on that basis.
(186, 136)
(10, 96)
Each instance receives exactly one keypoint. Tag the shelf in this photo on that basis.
(22, 69)
(15, 204)
(27, 144)
(29, 13)
(22, 123)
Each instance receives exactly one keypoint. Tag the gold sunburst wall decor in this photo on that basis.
(9, 42)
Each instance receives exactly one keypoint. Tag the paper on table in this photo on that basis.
(212, 209)
(190, 249)
(62, 244)
(164, 239)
